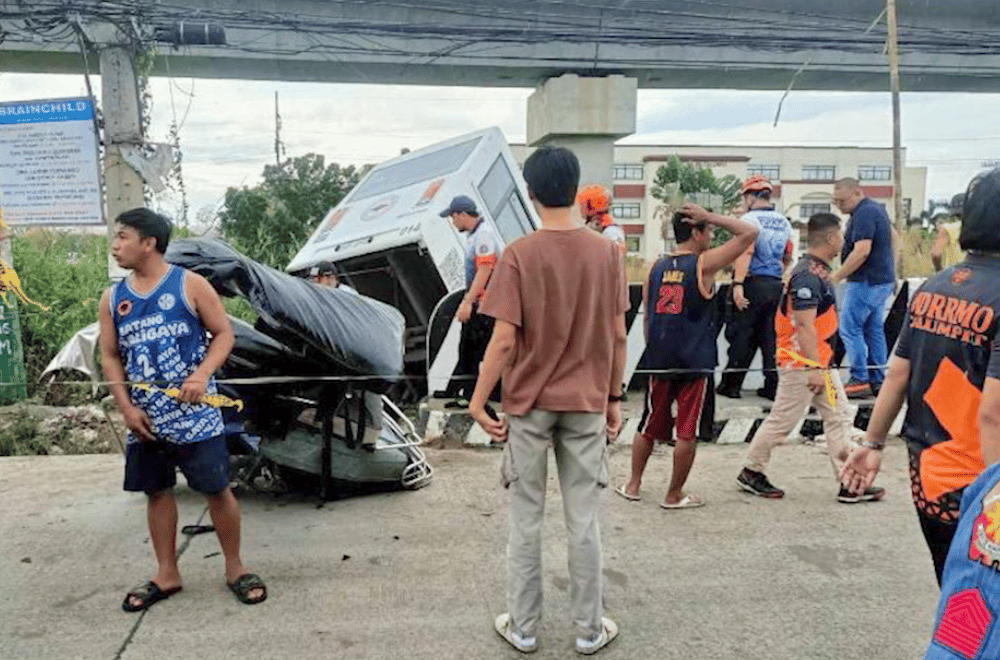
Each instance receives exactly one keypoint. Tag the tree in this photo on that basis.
(676, 182)
(270, 221)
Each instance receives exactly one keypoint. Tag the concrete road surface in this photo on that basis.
(420, 575)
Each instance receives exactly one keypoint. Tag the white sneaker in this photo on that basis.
(522, 644)
(591, 646)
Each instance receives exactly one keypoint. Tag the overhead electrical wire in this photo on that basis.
(510, 24)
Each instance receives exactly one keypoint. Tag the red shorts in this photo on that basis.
(695, 409)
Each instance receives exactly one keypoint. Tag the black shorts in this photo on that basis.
(152, 466)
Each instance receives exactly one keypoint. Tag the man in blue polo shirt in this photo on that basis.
(868, 265)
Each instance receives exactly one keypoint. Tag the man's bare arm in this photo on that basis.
(864, 463)
(111, 362)
(620, 354)
(742, 265)
(854, 260)
(989, 421)
(715, 259)
(499, 353)
(208, 306)
(478, 283)
(805, 330)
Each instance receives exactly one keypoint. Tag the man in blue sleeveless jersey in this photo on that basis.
(153, 331)
(680, 344)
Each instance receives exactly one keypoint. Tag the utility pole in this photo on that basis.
(122, 126)
(277, 132)
(897, 147)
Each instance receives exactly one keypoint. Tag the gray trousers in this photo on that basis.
(579, 442)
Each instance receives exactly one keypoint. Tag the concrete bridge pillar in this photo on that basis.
(586, 115)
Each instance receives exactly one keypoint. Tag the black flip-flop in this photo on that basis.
(194, 530)
(246, 583)
(149, 593)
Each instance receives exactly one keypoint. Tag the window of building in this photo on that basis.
(819, 172)
(633, 244)
(807, 211)
(628, 172)
(772, 172)
(626, 211)
(874, 173)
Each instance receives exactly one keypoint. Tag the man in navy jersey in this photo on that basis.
(153, 337)
(680, 343)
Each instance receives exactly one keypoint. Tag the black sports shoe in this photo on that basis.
(728, 392)
(765, 393)
(857, 389)
(873, 494)
(757, 483)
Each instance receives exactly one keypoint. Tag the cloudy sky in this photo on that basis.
(227, 127)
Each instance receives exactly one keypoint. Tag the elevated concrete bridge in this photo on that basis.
(745, 44)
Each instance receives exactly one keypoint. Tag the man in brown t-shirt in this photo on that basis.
(559, 298)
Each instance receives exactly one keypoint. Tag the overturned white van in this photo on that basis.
(388, 241)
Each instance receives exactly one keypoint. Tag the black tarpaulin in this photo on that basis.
(346, 333)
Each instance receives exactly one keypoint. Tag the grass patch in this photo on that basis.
(21, 437)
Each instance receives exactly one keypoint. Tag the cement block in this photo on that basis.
(735, 432)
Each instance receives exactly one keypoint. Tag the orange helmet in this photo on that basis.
(594, 200)
(606, 220)
(756, 183)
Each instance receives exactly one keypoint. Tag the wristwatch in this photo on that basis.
(616, 398)
(871, 444)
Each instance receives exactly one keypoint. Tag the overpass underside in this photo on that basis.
(945, 46)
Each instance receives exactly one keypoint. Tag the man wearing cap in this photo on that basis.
(757, 288)
(482, 250)
(324, 274)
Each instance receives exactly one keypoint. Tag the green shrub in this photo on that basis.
(21, 437)
(67, 273)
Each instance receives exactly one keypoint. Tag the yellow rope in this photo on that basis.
(831, 391)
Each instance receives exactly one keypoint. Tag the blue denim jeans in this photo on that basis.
(862, 319)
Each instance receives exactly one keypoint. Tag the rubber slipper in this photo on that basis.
(246, 583)
(631, 498)
(148, 593)
(194, 530)
(687, 502)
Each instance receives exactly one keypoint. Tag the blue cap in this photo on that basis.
(460, 204)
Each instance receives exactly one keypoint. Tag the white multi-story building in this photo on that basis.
(803, 178)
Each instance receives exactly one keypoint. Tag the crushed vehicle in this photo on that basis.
(309, 378)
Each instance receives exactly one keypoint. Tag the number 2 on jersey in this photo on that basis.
(671, 300)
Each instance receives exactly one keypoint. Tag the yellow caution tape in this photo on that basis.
(213, 400)
(831, 391)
